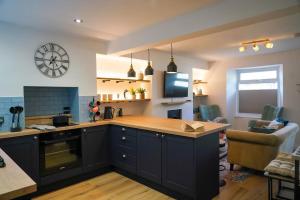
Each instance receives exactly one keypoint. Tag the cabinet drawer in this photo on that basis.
(123, 139)
(124, 130)
(124, 160)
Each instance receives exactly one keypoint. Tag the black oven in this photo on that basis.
(60, 151)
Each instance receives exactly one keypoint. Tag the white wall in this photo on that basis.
(160, 60)
(17, 67)
(221, 80)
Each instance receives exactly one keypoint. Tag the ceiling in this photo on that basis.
(113, 19)
(224, 44)
(103, 19)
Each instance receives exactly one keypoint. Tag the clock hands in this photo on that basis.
(51, 60)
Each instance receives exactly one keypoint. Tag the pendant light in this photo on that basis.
(131, 72)
(172, 67)
(149, 69)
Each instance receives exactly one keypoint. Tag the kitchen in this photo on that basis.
(78, 149)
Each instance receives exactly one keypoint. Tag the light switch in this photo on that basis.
(1, 120)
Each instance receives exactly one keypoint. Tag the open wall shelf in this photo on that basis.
(199, 82)
(119, 80)
(175, 102)
(125, 100)
(200, 95)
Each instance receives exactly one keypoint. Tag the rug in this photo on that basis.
(238, 175)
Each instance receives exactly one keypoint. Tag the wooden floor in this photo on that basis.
(253, 188)
(113, 186)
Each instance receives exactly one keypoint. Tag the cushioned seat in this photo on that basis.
(211, 113)
(256, 150)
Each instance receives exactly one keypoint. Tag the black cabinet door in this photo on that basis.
(149, 155)
(25, 152)
(95, 147)
(178, 164)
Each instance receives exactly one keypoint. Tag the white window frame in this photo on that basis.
(277, 67)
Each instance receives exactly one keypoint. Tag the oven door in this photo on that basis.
(60, 152)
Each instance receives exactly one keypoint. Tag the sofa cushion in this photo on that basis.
(266, 130)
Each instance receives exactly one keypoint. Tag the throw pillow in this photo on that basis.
(275, 124)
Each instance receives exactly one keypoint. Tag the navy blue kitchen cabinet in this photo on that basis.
(124, 148)
(167, 160)
(178, 164)
(186, 167)
(95, 148)
(25, 152)
(149, 160)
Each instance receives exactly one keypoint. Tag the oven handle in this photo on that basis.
(60, 140)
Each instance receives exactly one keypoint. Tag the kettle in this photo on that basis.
(109, 112)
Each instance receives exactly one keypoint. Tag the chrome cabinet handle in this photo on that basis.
(84, 130)
(35, 137)
(157, 134)
(123, 129)
(62, 168)
(162, 136)
(124, 155)
(123, 138)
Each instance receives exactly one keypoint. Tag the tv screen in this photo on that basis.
(176, 84)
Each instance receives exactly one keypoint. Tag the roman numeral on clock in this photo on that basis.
(38, 59)
(64, 67)
(45, 48)
(51, 47)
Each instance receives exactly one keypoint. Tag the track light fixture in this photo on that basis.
(255, 44)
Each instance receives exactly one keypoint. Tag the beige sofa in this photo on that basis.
(256, 150)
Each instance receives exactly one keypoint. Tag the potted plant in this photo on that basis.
(141, 91)
(132, 93)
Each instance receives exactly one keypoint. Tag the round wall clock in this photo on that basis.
(52, 60)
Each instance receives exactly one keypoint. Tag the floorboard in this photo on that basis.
(113, 186)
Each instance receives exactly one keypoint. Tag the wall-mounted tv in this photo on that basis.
(176, 84)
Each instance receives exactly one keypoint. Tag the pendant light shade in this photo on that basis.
(131, 72)
(172, 67)
(149, 70)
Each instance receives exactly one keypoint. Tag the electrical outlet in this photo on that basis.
(1, 120)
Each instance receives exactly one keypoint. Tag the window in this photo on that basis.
(257, 87)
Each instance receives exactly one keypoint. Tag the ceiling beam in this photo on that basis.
(221, 16)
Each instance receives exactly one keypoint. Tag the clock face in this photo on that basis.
(52, 60)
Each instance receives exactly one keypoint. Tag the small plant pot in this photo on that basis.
(133, 97)
(142, 95)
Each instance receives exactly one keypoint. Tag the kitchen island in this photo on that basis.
(14, 182)
(154, 151)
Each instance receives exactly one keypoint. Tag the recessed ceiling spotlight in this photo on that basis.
(78, 21)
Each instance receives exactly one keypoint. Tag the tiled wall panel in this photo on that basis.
(5, 104)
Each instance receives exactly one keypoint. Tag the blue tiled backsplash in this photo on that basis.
(41, 101)
(5, 104)
(83, 108)
(45, 102)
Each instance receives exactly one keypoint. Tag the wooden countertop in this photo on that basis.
(14, 182)
(163, 125)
